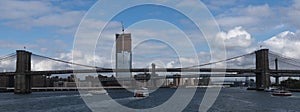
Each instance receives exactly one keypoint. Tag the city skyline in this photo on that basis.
(149, 55)
(51, 30)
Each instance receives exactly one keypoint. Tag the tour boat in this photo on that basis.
(282, 93)
(142, 92)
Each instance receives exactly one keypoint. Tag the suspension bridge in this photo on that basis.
(263, 59)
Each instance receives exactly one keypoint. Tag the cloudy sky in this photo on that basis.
(160, 34)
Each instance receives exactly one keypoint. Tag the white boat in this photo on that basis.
(142, 92)
(98, 92)
(270, 89)
(282, 93)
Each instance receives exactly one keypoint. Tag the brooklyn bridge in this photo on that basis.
(262, 70)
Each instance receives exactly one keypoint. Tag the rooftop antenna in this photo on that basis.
(122, 27)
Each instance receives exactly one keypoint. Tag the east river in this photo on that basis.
(229, 99)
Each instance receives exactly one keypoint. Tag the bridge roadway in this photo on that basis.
(191, 76)
(229, 72)
(107, 70)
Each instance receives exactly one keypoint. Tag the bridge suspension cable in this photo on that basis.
(284, 57)
(289, 63)
(277, 55)
(7, 57)
(287, 60)
(62, 61)
(228, 59)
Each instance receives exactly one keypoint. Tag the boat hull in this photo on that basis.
(144, 92)
(140, 95)
(280, 94)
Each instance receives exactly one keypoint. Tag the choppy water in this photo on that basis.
(229, 99)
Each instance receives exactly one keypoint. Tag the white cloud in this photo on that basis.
(15, 9)
(293, 14)
(29, 14)
(285, 43)
(64, 19)
(191, 3)
(256, 18)
(222, 2)
(43, 45)
(236, 37)
(261, 19)
(284, 47)
(219, 5)
(236, 21)
(46, 65)
(40, 64)
(14, 45)
(89, 34)
(86, 59)
(8, 65)
(170, 64)
(257, 11)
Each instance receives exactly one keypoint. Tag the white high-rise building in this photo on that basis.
(123, 54)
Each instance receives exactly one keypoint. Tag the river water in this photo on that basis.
(229, 99)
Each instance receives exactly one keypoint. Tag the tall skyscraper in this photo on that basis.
(123, 54)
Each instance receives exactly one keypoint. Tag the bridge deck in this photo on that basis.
(232, 72)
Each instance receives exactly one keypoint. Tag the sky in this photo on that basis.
(71, 30)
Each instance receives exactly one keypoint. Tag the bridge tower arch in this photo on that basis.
(23, 66)
(262, 69)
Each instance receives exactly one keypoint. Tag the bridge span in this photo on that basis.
(262, 72)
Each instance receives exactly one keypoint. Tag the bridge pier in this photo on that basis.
(176, 80)
(277, 80)
(276, 77)
(23, 65)
(153, 74)
(262, 68)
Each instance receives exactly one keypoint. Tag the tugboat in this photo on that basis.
(282, 93)
(142, 92)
